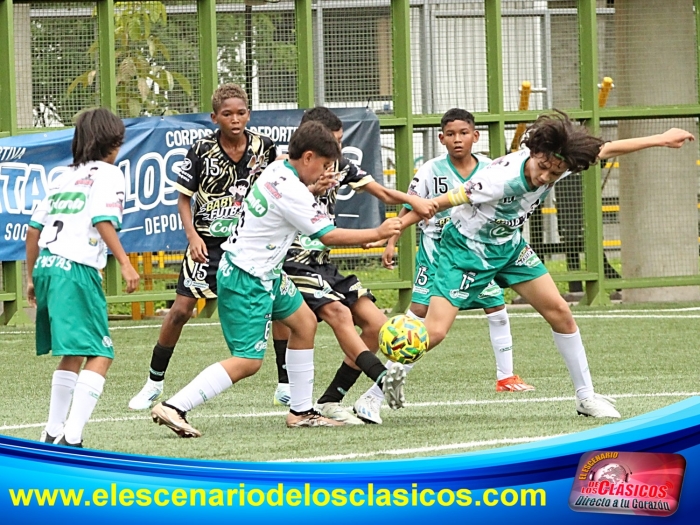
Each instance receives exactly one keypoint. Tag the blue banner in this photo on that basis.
(150, 158)
(525, 484)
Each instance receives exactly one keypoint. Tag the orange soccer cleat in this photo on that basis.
(513, 384)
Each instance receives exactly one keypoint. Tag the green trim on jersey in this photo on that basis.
(526, 184)
(287, 164)
(36, 225)
(322, 232)
(456, 171)
(107, 218)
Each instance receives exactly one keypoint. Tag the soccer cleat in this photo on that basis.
(513, 384)
(149, 394)
(367, 408)
(174, 419)
(310, 418)
(337, 412)
(46, 437)
(393, 387)
(282, 395)
(597, 406)
(61, 440)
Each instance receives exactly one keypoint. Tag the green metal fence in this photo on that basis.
(409, 60)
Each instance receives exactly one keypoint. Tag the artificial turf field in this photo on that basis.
(644, 356)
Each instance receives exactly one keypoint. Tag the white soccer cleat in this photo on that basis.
(337, 412)
(283, 395)
(597, 406)
(393, 387)
(367, 408)
(150, 393)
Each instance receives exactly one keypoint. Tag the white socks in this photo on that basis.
(300, 368)
(209, 383)
(502, 342)
(62, 385)
(571, 349)
(88, 389)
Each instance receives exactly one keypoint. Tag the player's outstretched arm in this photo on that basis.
(198, 249)
(424, 207)
(673, 138)
(32, 246)
(111, 239)
(347, 237)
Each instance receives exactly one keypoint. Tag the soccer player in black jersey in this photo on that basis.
(217, 173)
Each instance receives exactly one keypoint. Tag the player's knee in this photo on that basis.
(336, 314)
(419, 310)
(436, 335)
(560, 318)
(179, 314)
(304, 324)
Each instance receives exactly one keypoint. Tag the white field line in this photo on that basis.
(466, 402)
(643, 314)
(406, 451)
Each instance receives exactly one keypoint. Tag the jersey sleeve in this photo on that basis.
(107, 198)
(305, 214)
(420, 185)
(353, 175)
(40, 215)
(484, 187)
(188, 176)
(270, 151)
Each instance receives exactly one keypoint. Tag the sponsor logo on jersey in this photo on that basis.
(257, 203)
(67, 202)
(470, 186)
(500, 231)
(107, 342)
(307, 243)
(223, 227)
(528, 258)
(421, 290)
(92, 241)
(459, 294)
(273, 191)
(260, 346)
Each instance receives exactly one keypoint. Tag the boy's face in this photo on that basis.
(232, 117)
(311, 166)
(542, 169)
(458, 137)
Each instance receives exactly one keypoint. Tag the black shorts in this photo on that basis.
(321, 284)
(199, 280)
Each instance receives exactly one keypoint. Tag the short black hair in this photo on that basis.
(313, 136)
(323, 115)
(456, 114)
(556, 135)
(97, 133)
(225, 92)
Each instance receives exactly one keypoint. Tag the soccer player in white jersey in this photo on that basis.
(435, 178)
(253, 290)
(483, 241)
(67, 241)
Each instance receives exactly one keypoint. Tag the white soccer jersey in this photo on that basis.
(76, 201)
(435, 178)
(501, 201)
(278, 206)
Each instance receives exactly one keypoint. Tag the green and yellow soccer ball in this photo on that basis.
(403, 339)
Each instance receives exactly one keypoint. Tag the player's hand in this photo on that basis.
(375, 244)
(198, 250)
(388, 255)
(426, 208)
(389, 228)
(327, 181)
(31, 295)
(131, 277)
(675, 138)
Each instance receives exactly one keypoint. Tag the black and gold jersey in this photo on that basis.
(219, 184)
(304, 249)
